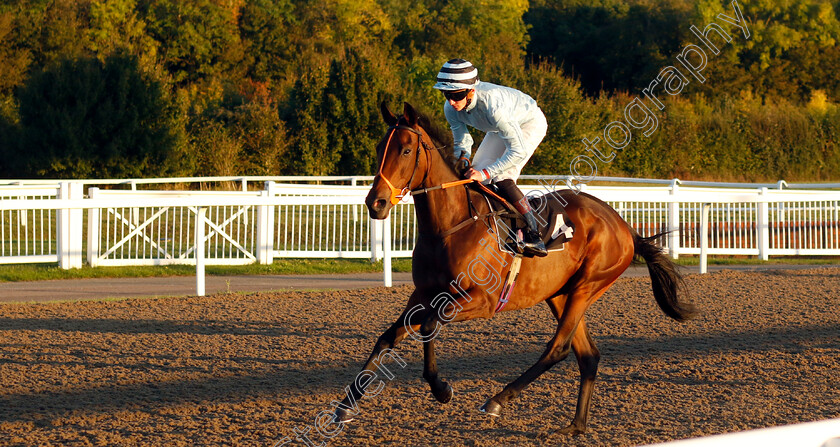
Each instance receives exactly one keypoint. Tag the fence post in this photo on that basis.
(94, 230)
(265, 227)
(70, 227)
(353, 182)
(674, 222)
(386, 250)
(704, 236)
(199, 250)
(376, 230)
(134, 218)
(763, 223)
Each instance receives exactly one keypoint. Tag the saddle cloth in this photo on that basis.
(556, 228)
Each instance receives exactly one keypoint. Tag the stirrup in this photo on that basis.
(535, 250)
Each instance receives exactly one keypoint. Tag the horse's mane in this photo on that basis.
(441, 137)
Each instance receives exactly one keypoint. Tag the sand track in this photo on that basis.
(247, 369)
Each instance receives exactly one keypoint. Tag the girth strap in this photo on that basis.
(468, 221)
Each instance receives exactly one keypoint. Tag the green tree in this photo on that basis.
(14, 63)
(14, 59)
(266, 27)
(51, 29)
(84, 118)
(243, 135)
(328, 26)
(265, 139)
(489, 33)
(336, 115)
(116, 27)
(791, 51)
(197, 38)
(311, 153)
(570, 116)
(352, 96)
(608, 44)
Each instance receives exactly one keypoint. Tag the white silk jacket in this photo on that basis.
(499, 109)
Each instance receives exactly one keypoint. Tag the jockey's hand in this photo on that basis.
(462, 165)
(473, 174)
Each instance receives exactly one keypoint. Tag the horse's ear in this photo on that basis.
(410, 114)
(390, 118)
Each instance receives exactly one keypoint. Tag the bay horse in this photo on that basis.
(451, 235)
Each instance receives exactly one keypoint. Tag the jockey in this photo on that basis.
(514, 126)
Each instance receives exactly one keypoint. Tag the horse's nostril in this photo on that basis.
(379, 204)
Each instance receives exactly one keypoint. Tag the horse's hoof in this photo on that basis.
(445, 395)
(342, 417)
(572, 430)
(491, 408)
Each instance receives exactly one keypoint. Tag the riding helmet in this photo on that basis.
(457, 74)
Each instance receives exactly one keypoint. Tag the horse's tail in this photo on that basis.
(664, 278)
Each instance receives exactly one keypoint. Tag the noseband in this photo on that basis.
(398, 194)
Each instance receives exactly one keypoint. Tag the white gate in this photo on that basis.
(163, 235)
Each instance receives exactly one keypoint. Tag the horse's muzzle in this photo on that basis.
(378, 205)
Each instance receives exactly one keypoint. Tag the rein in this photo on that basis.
(398, 194)
(441, 186)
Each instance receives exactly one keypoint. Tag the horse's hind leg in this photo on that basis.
(569, 314)
(556, 350)
(588, 357)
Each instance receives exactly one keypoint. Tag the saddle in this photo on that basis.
(556, 228)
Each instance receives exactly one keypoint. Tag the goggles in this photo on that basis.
(456, 95)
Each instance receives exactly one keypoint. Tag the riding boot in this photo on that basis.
(534, 245)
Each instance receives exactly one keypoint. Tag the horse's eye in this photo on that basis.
(406, 151)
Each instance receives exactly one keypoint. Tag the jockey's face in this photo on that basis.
(457, 99)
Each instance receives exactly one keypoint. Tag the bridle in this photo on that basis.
(398, 194)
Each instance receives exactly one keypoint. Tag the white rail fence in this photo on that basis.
(41, 223)
(247, 182)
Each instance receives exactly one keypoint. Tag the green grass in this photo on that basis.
(39, 272)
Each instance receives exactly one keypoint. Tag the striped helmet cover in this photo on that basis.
(457, 74)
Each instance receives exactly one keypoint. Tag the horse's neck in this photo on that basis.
(440, 210)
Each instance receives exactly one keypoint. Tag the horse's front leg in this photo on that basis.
(429, 330)
(348, 408)
(447, 309)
